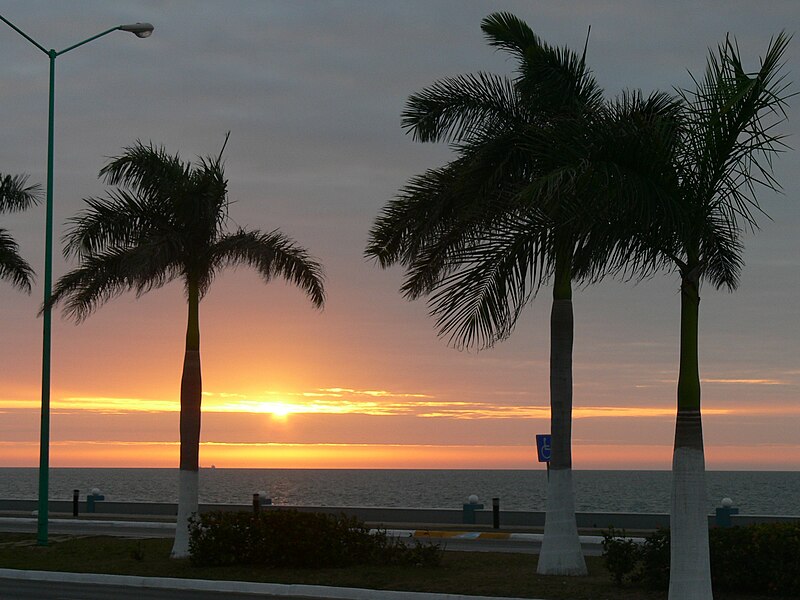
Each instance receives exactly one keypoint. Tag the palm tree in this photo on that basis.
(15, 195)
(483, 233)
(165, 221)
(723, 153)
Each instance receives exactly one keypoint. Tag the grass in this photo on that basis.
(476, 573)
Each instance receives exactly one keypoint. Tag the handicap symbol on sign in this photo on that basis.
(543, 446)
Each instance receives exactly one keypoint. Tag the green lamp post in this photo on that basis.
(141, 30)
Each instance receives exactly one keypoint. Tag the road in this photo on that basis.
(16, 589)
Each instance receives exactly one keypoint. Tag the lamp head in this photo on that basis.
(141, 30)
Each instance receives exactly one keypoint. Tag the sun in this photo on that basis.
(280, 411)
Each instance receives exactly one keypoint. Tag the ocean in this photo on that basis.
(753, 492)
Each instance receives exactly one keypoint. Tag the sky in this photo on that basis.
(312, 93)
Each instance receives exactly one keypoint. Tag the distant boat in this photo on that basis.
(213, 466)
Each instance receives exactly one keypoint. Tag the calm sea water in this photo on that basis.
(754, 492)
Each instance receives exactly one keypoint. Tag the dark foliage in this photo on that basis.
(654, 569)
(763, 559)
(759, 558)
(621, 555)
(289, 538)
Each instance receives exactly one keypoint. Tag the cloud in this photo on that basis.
(746, 381)
(349, 401)
(101, 404)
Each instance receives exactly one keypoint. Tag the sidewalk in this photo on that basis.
(239, 587)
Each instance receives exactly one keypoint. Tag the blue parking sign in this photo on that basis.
(543, 446)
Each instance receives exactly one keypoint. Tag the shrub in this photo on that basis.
(763, 559)
(220, 538)
(621, 555)
(289, 538)
(758, 558)
(653, 571)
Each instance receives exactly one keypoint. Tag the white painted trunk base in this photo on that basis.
(561, 547)
(188, 485)
(690, 568)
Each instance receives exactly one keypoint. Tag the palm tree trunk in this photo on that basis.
(561, 547)
(191, 396)
(690, 570)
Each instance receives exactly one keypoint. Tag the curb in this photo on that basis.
(482, 535)
(90, 522)
(239, 587)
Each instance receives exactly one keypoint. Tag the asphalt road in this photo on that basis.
(16, 589)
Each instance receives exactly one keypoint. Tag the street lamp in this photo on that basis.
(141, 30)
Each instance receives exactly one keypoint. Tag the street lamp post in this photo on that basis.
(141, 30)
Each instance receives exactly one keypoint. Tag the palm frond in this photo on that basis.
(148, 168)
(552, 78)
(556, 81)
(204, 209)
(120, 219)
(510, 33)
(107, 274)
(721, 250)
(454, 108)
(627, 189)
(493, 279)
(16, 194)
(191, 200)
(414, 216)
(272, 254)
(13, 268)
(732, 116)
(440, 212)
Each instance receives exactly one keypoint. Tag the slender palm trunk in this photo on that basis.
(561, 547)
(191, 395)
(690, 570)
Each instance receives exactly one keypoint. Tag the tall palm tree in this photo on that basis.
(723, 154)
(15, 195)
(166, 220)
(483, 233)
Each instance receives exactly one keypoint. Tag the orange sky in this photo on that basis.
(298, 390)
(419, 426)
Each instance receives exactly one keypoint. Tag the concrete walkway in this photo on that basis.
(240, 587)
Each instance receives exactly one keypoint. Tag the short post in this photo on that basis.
(92, 500)
(724, 512)
(468, 514)
(75, 495)
(496, 513)
(256, 504)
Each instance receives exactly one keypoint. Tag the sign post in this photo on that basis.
(543, 449)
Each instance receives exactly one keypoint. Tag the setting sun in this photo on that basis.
(279, 410)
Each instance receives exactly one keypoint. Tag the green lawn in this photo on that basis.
(475, 573)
